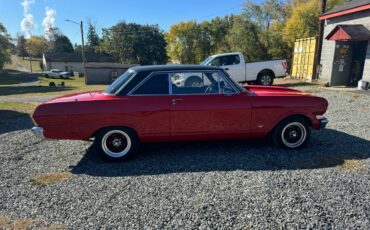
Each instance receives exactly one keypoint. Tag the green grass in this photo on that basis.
(10, 77)
(25, 62)
(72, 85)
(35, 63)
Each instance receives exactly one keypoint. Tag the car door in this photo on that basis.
(150, 100)
(232, 65)
(215, 107)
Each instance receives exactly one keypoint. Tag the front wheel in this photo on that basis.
(117, 144)
(292, 133)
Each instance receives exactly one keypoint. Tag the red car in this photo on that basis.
(151, 103)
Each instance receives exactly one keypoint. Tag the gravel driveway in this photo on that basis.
(207, 185)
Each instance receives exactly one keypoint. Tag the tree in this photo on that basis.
(5, 45)
(36, 45)
(257, 31)
(21, 46)
(62, 44)
(93, 40)
(181, 39)
(304, 19)
(134, 44)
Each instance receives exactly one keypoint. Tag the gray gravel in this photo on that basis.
(208, 185)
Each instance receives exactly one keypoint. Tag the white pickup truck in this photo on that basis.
(262, 73)
(56, 73)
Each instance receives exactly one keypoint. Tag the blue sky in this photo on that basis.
(105, 13)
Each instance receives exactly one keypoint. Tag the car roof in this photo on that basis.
(173, 68)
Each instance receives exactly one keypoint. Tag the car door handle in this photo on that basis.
(226, 69)
(174, 100)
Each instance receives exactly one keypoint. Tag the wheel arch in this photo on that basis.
(290, 116)
(93, 135)
(270, 71)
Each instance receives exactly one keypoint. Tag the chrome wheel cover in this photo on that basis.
(293, 135)
(266, 80)
(116, 143)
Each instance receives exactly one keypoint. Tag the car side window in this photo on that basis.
(226, 60)
(188, 83)
(157, 84)
(231, 60)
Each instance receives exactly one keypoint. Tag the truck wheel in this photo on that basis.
(292, 133)
(193, 81)
(47, 76)
(117, 143)
(265, 78)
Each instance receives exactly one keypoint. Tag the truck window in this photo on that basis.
(226, 60)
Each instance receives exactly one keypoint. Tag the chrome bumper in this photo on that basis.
(38, 132)
(323, 122)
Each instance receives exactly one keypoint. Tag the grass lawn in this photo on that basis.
(40, 88)
(11, 110)
(25, 63)
(35, 63)
(11, 77)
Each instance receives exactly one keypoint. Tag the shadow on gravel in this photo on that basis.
(12, 121)
(327, 148)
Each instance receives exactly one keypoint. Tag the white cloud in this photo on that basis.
(27, 23)
(48, 21)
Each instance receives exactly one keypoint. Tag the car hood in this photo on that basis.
(85, 96)
(273, 91)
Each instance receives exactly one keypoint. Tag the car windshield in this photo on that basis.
(120, 82)
(205, 61)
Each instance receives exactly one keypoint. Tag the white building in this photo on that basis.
(73, 61)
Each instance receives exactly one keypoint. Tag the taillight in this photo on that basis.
(285, 65)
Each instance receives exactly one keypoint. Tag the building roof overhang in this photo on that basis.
(348, 8)
(349, 33)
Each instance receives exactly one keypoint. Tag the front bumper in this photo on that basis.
(323, 122)
(38, 132)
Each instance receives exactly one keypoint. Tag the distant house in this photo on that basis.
(73, 61)
(104, 73)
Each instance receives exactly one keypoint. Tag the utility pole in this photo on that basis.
(319, 41)
(30, 61)
(83, 46)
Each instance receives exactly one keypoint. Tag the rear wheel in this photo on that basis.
(117, 144)
(265, 78)
(292, 133)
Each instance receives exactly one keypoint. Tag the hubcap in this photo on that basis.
(116, 143)
(266, 80)
(294, 134)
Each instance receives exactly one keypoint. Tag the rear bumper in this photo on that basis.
(38, 132)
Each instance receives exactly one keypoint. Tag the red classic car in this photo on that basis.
(150, 103)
